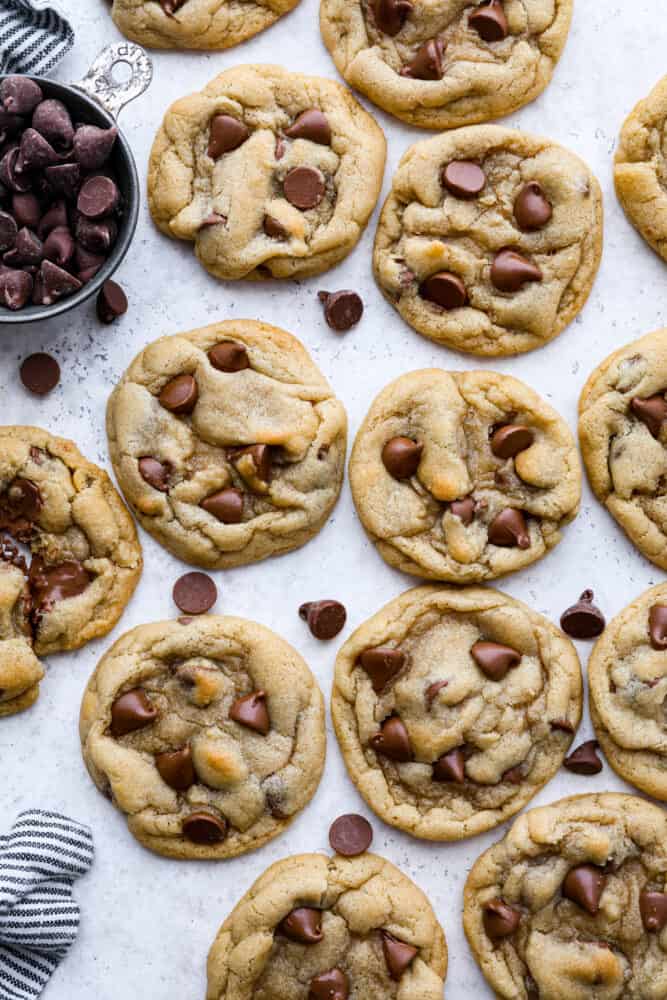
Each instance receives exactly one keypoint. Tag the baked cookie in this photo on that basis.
(86, 560)
(490, 239)
(453, 708)
(227, 443)
(319, 928)
(450, 63)
(270, 174)
(463, 476)
(640, 168)
(623, 436)
(208, 733)
(195, 24)
(627, 676)
(572, 903)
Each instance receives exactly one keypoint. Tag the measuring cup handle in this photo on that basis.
(99, 82)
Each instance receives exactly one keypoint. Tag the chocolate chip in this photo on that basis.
(35, 152)
(9, 125)
(49, 584)
(531, 207)
(401, 457)
(489, 21)
(427, 61)
(111, 302)
(381, 663)
(20, 95)
(226, 505)
(40, 373)
(9, 174)
(331, 985)
(228, 356)
(304, 925)
(397, 954)
(583, 620)
(514, 775)
(391, 15)
(445, 290)
(510, 271)
(451, 767)
(463, 178)
(342, 310)
(433, 690)
(226, 134)
(510, 439)
(98, 197)
(651, 411)
(393, 740)
(463, 509)
(59, 246)
(28, 248)
(313, 125)
(26, 211)
(56, 282)
(304, 187)
(15, 289)
(350, 835)
(500, 920)
(176, 768)
(251, 711)
(23, 498)
(494, 659)
(254, 464)
(564, 725)
(131, 711)
(584, 886)
(195, 593)
(653, 909)
(64, 179)
(97, 237)
(55, 218)
(155, 473)
(93, 145)
(657, 626)
(325, 618)
(8, 231)
(205, 829)
(52, 120)
(274, 229)
(584, 760)
(180, 394)
(508, 529)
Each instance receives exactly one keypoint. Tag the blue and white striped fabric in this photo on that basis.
(40, 859)
(34, 36)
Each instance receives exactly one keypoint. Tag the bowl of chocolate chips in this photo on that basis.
(69, 190)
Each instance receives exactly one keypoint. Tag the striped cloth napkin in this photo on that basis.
(34, 36)
(40, 859)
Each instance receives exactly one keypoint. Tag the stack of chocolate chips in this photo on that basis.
(58, 201)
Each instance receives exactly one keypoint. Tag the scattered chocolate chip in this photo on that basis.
(251, 711)
(274, 229)
(228, 356)
(463, 509)
(111, 302)
(508, 529)
(98, 197)
(52, 120)
(350, 835)
(393, 740)
(304, 187)
(40, 373)
(20, 95)
(653, 910)
(155, 473)
(391, 15)
(325, 618)
(494, 659)
(583, 620)
(26, 211)
(401, 457)
(304, 925)
(451, 767)
(226, 134)
(195, 593)
(331, 985)
(500, 919)
(311, 124)
(427, 61)
(381, 663)
(58, 246)
(342, 310)
(510, 439)
(531, 207)
(584, 760)
(445, 290)
(463, 179)
(180, 394)
(564, 725)
(205, 829)
(584, 886)
(93, 146)
(651, 411)
(433, 690)
(131, 711)
(510, 271)
(657, 626)
(397, 954)
(489, 21)
(226, 505)
(176, 768)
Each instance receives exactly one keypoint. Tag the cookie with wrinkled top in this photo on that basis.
(228, 443)
(623, 437)
(572, 902)
(313, 926)
(450, 63)
(490, 239)
(83, 564)
(463, 476)
(453, 708)
(262, 171)
(208, 733)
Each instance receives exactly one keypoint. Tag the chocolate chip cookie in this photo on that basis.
(463, 476)
(227, 443)
(453, 708)
(627, 675)
(640, 168)
(572, 903)
(490, 239)
(195, 24)
(450, 63)
(86, 560)
(208, 733)
(319, 928)
(623, 436)
(270, 174)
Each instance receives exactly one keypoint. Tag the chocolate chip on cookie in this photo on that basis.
(583, 620)
(205, 829)
(444, 289)
(651, 411)
(225, 505)
(532, 209)
(584, 885)
(382, 664)
(463, 178)
(490, 21)
(510, 439)
(657, 626)
(398, 955)
(226, 134)
(131, 711)
(451, 767)
(303, 924)
(350, 835)
(509, 529)
(176, 768)
(155, 473)
(393, 740)
(427, 61)
(653, 910)
(494, 659)
(401, 457)
(510, 271)
(252, 712)
(180, 394)
(312, 124)
(500, 919)
(330, 985)
(229, 356)
(325, 618)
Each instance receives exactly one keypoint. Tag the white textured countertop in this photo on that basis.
(148, 922)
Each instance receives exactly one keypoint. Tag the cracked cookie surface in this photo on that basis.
(227, 443)
(627, 676)
(208, 733)
(448, 63)
(270, 174)
(571, 904)
(623, 436)
(313, 926)
(640, 168)
(84, 562)
(453, 708)
(463, 476)
(490, 239)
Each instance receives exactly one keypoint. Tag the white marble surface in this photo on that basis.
(148, 922)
